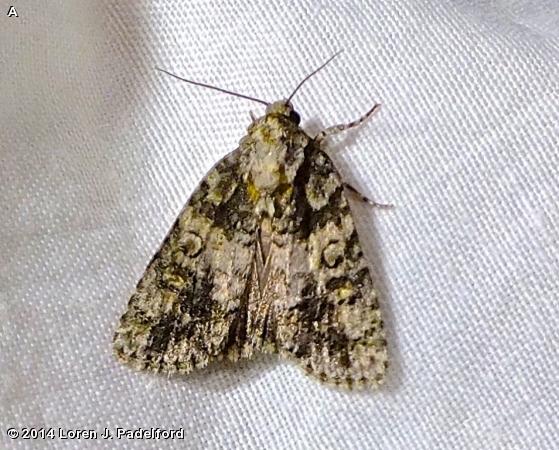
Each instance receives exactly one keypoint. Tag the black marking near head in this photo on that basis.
(295, 117)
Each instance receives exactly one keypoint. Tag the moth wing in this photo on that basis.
(188, 308)
(331, 322)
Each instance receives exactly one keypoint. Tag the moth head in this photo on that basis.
(284, 108)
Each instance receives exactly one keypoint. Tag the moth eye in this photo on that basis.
(295, 117)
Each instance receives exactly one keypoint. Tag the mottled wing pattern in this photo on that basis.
(190, 305)
(265, 256)
(330, 322)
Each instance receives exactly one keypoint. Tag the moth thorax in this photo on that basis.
(266, 167)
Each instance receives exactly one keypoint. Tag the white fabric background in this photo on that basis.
(99, 152)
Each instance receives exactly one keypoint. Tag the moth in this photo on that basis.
(264, 257)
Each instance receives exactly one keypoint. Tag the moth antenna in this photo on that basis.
(225, 91)
(310, 75)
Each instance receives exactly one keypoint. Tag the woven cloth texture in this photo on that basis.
(99, 152)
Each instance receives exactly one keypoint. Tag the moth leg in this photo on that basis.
(362, 198)
(252, 116)
(339, 128)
